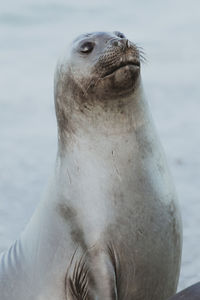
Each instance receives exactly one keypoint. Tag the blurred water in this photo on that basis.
(32, 35)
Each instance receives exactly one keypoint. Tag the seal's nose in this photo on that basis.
(122, 43)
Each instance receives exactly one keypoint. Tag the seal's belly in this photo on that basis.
(119, 196)
(141, 225)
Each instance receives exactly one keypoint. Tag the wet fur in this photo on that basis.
(84, 94)
(76, 98)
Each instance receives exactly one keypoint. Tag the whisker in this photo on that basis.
(143, 58)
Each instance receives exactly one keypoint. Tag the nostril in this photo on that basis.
(118, 43)
(125, 44)
(115, 43)
(122, 43)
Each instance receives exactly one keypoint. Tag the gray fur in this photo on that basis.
(109, 227)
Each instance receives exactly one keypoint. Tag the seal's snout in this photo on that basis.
(119, 55)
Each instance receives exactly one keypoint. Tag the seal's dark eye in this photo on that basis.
(119, 34)
(87, 47)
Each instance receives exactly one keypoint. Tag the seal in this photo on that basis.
(109, 226)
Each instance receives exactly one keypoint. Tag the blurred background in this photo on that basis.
(33, 33)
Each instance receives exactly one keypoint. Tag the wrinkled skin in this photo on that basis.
(109, 227)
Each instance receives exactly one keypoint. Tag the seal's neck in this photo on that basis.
(113, 117)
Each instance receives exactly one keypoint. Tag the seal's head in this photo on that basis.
(103, 65)
(100, 69)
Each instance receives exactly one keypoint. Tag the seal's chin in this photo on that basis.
(121, 80)
(122, 69)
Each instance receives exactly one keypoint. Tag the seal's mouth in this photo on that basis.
(134, 64)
